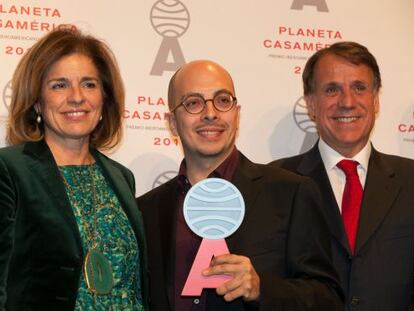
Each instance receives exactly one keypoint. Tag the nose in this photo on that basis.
(347, 99)
(76, 95)
(209, 113)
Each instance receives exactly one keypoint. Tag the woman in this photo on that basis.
(70, 234)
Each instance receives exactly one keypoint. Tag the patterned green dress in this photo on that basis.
(114, 237)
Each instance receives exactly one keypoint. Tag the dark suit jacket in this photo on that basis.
(381, 274)
(41, 252)
(283, 233)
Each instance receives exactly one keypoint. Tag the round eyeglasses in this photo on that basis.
(195, 104)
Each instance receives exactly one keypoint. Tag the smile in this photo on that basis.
(346, 119)
(210, 132)
(75, 113)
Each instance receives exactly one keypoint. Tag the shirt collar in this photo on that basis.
(225, 170)
(331, 157)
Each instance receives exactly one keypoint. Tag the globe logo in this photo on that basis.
(214, 208)
(170, 18)
(7, 94)
(301, 117)
(163, 178)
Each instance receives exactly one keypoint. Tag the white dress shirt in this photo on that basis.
(336, 176)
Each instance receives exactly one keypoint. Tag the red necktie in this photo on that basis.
(351, 200)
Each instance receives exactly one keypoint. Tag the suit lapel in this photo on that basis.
(380, 192)
(47, 171)
(125, 195)
(312, 166)
(168, 212)
(244, 179)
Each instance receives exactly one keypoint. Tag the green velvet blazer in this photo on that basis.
(41, 254)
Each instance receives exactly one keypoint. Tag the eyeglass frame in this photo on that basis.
(234, 99)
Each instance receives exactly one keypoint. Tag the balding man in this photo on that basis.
(279, 257)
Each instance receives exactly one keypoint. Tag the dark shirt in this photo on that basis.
(187, 242)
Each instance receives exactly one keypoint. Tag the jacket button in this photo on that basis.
(355, 301)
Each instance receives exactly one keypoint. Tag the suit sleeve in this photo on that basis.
(7, 220)
(311, 283)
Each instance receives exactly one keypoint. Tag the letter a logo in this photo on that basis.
(170, 19)
(320, 5)
(196, 281)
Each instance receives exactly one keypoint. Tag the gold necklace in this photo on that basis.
(97, 268)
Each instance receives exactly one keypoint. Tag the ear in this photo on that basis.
(172, 122)
(238, 107)
(311, 106)
(376, 103)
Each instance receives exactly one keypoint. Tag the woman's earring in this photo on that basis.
(37, 110)
(100, 118)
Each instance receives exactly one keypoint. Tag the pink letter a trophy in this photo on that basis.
(213, 209)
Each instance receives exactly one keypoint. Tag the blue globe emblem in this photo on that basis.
(214, 208)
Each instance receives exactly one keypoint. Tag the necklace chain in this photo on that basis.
(97, 268)
(92, 233)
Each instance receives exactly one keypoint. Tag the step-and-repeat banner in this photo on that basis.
(264, 45)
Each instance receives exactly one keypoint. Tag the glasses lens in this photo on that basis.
(194, 104)
(223, 101)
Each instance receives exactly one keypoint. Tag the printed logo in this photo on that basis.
(292, 41)
(170, 19)
(320, 5)
(302, 120)
(7, 91)
(163, 178)
(406, 127)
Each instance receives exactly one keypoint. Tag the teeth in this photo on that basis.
(75, 114)
(209, 133)
(346, 119)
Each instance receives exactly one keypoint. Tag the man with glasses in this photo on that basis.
(279, 255)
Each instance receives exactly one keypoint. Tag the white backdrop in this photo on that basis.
(264, 44)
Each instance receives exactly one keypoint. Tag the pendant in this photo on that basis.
(98, 272)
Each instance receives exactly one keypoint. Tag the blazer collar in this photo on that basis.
(379, 194)
(124, 191)
(167, 217)
(246, 178)
(126, 195)
(47, 171)
(380, 191)
(312, 165)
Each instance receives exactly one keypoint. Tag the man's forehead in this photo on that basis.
(333, 62)
(202, 79)
(331, 67)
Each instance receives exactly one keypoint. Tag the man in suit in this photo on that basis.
(280, 254)
(372, 239)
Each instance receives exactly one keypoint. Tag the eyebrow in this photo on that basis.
(201, 95)
(63, 79)
(335, 83)
(359, 82)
